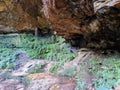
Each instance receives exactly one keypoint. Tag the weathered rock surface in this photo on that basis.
(117, 87)
(108, 14)
(43, 81)
(25, 67)
(18, 80)
(20, 15)
(67, 17)
(80, 20)
(11, 84)
(95, 22)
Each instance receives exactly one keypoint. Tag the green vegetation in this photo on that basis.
(36, 69)
(24, 80)
(69, 72)
(7, 57)
(106, 70)
(8, 50)
(8, 75)
(48, 47)
(54, 68)
(80, 85)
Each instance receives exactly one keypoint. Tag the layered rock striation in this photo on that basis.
(96, 23)
(21, 15)
(91, 23)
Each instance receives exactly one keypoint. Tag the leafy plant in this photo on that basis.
(107, 71)
(70, 72)
(36, 69)
(48, 47)
(80, 85)
(7, 58)
(25, 80)
(54, 68)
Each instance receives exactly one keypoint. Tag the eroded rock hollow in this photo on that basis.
(91, 23)
(84, 22)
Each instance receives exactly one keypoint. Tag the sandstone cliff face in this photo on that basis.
(69, 17)
(108, 14)
(18, 15)
(79, 20)
(97, 22)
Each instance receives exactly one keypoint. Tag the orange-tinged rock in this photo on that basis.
(45, 81)
(22, 15)
(2, 7)
(67, 17)
(85, 24)
(55, 87)
(39, 76)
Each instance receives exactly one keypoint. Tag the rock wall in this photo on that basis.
(108, 14)
(20, 15)
(69, 17)
(96, 23)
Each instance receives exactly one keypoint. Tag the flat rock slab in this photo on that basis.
(27, 66)
(11, 84)
(45, 81)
